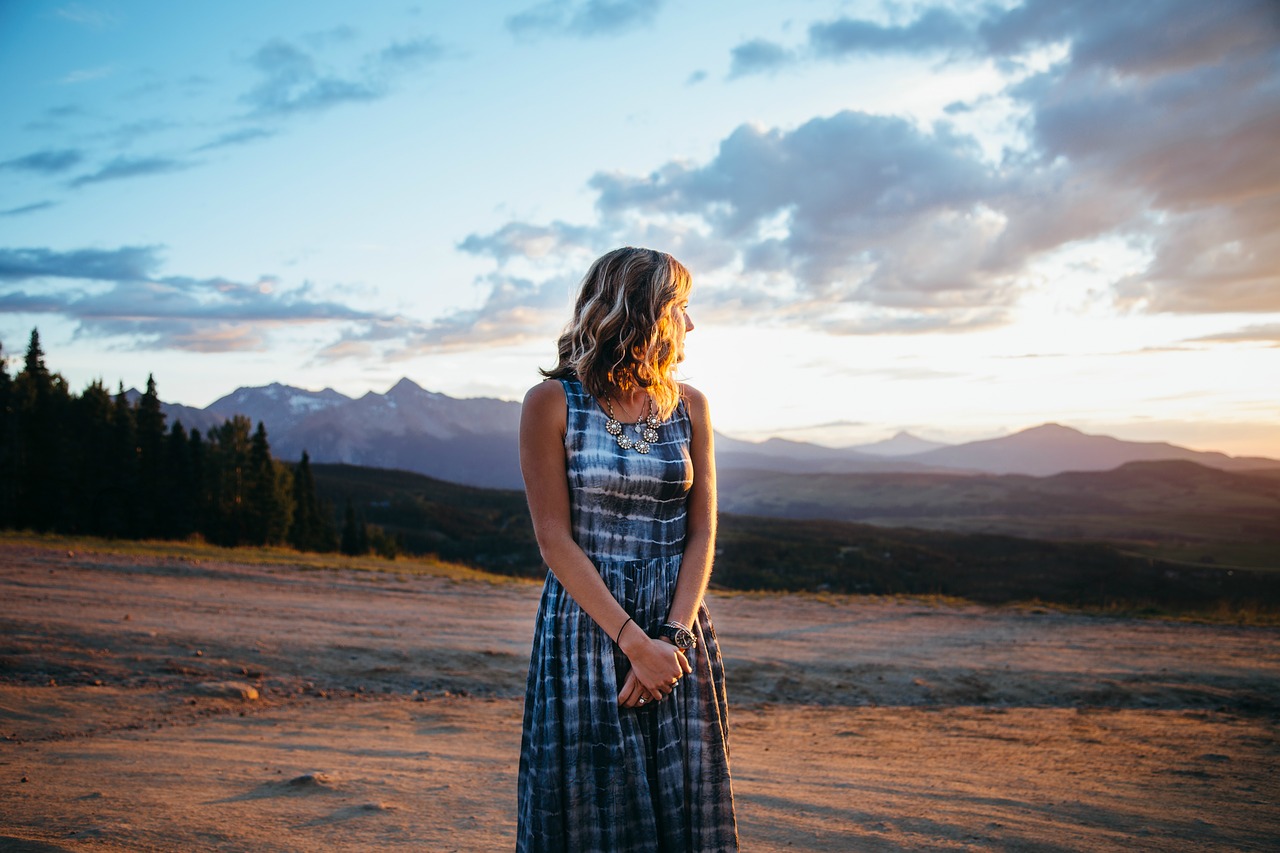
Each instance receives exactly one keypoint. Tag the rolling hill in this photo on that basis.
(490, 529)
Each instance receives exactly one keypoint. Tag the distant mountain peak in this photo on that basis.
(1052, 428)
(903, 443)
(406, 386)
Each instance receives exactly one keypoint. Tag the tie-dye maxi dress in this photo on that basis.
(595, 776)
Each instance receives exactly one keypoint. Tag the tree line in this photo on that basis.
(99, 464)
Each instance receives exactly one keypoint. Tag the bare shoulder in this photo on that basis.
(544, 410)
(696, 405)
(545, 396)
(693, 398)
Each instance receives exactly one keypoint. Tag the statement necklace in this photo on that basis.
(646, 427)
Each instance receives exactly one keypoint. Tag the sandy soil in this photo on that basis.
(387, 716)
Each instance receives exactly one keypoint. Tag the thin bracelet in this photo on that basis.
(617, 639)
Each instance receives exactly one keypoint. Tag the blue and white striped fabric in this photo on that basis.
(595, 776)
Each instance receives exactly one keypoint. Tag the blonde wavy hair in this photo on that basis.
(623, 333)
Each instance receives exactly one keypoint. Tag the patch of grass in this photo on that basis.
(197, 550)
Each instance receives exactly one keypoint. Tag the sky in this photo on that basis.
(957, 219)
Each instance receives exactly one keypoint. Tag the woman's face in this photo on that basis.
(682, 325)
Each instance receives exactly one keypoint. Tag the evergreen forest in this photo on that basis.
(98, 464)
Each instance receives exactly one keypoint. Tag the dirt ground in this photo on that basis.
(387, 716)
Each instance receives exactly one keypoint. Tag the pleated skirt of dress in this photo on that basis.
(595, 776)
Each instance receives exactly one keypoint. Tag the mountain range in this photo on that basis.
(473, 441)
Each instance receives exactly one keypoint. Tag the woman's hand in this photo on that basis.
(656, 667)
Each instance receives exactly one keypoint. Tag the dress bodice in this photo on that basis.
(625, 505)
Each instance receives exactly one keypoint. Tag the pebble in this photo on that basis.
(228, 690)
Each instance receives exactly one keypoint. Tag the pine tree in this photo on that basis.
(93, 460)
(354, 538)
(312, 529)
(122, 483)
(177, 508)
(199, 471)
(228, 482)
(41, 400)
(270, 498)
(151, 460)
(8, 448)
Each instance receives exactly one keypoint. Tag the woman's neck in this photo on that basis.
(630, 405)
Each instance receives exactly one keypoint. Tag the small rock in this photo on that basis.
(228, 690)
(127, 617)
(199, 653)
(312, 780)
(25, 780)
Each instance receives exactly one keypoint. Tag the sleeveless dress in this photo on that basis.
(595, 776)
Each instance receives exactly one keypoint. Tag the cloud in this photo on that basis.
(125, 263)
(515, 310)
(55, 118)
(291, 80)
(758, 56)
(28, 208)
(237, 137)
(858, 207)
(50, 161)
(1265, 333)
(1157, 125)
(116, 292)
(1188, 136)
(131, 167)
(291, 83)
(414, 52)
(85, 75)
(936, 29)
(525, 240)
(78, 13)
(584, 19)
(1147, 38)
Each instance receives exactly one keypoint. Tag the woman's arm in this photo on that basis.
(542, 461)
(700, 544)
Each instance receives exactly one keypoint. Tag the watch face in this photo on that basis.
(682, 638)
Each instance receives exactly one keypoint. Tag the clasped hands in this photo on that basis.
(656, 668)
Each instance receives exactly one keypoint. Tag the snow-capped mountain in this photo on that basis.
(280, 407)
(474, 441)
(470, 441)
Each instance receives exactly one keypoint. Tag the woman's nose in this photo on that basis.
(688, 322)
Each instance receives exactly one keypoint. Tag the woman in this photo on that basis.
(625, 737)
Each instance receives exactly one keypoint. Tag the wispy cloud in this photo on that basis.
(28, 208)
(79, 13)
(410, 53)
(85, 75)
(1262, 333)
(292, 81)
(122, 168)
(49, 161)
(117, 293)
(237, 137)
(585, 19)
